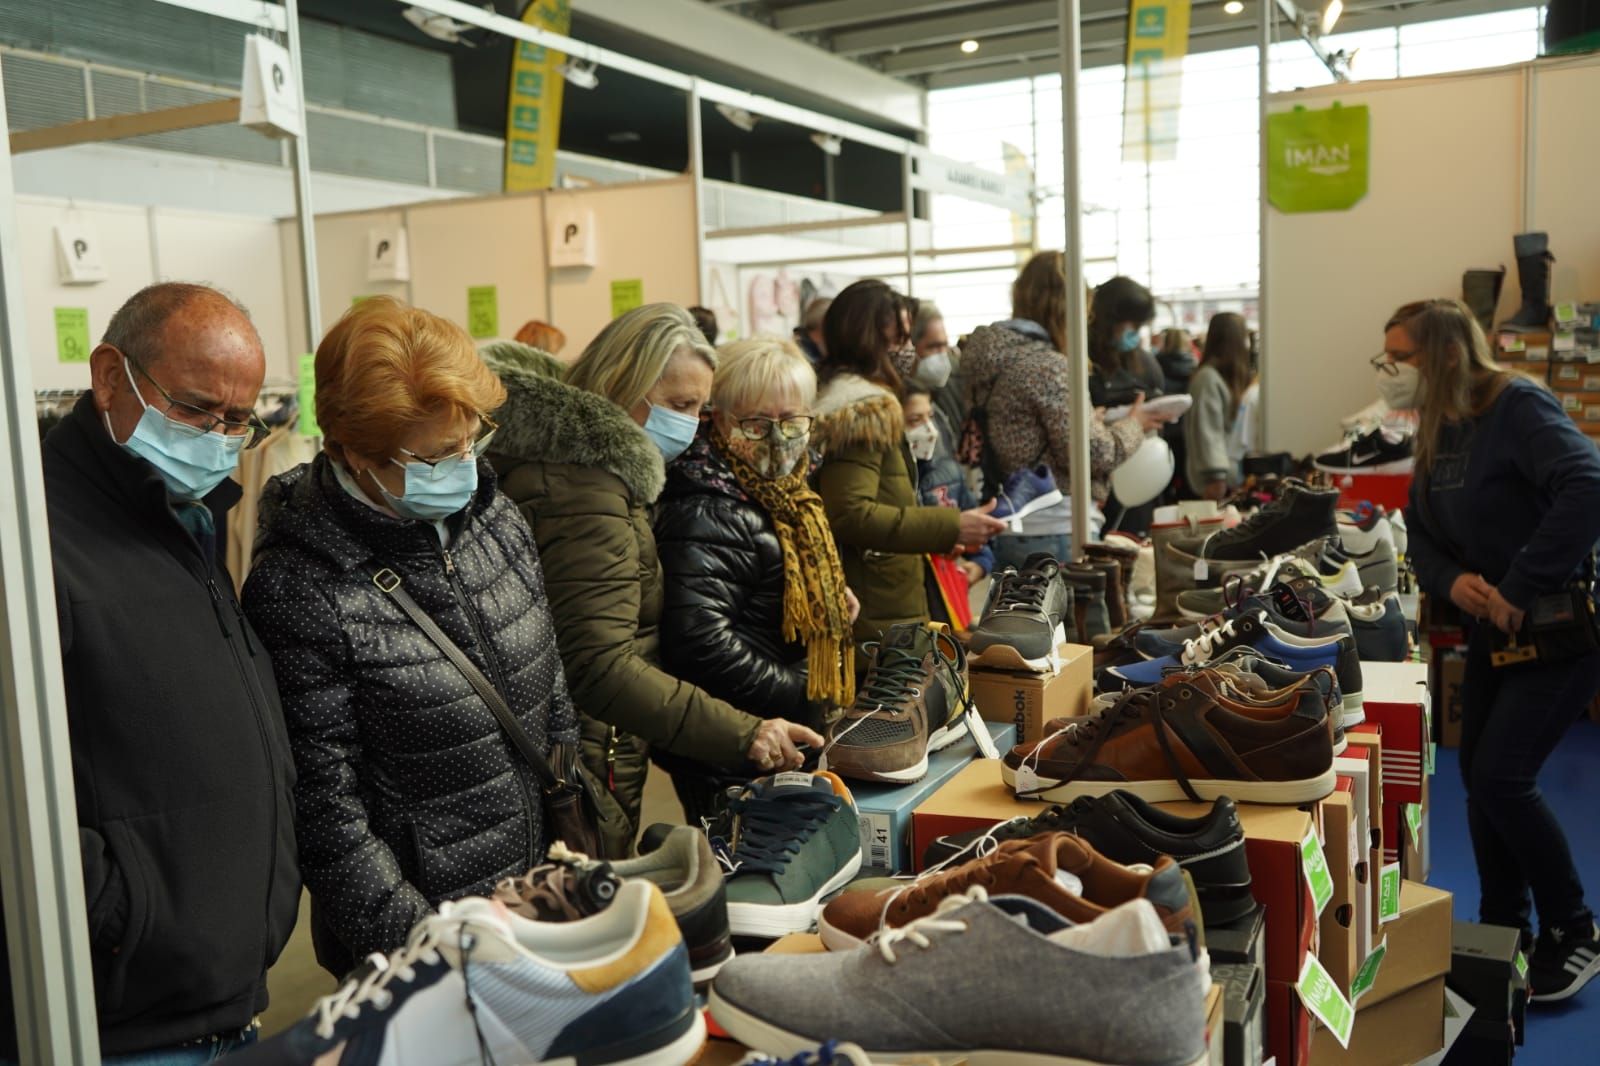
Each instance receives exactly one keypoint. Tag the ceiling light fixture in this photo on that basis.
(1330, 15)
(828, 143)
(969, 46)
(738, 116)
(579, 73)
(1233, 7)
(439, 27)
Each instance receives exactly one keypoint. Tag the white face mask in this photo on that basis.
(1402, 390)
(924, 440)
(933, 371)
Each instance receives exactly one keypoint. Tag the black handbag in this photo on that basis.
(577, 810)
(1558, 628)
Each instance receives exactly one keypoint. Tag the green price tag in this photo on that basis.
(483, 311)
(626, 294)
(1414, 823)
(1433, 756)
(1324, 1000)
(1367, 976)
(308, 397)
(1566, 312)
(72, 334)
(1389, 893)
(1522, 965)
(1318, 878)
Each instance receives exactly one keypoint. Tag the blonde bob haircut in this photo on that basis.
(384, 367)
(753, 370)
(627, 358)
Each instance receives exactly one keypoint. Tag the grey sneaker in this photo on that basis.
(1025, 619)
(984, 981)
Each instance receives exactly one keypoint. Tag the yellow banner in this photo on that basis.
(533, 110)
(1158, 39)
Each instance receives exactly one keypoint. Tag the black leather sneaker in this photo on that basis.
(1301, 514)
(1126, 829)
(1027, 616)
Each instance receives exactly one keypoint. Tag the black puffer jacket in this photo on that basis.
(722, 617)
(409, 793)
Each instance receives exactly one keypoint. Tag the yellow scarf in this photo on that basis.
(814, 609)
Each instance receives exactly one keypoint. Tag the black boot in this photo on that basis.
(1480, 291)
(1533, 269)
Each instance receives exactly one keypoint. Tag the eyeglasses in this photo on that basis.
(792, 428)
(1384, 362)
(198, 420)
(474, 451)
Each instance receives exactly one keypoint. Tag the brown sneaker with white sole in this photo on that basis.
(913, 702)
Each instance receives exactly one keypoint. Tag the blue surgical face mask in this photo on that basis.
(671, 431)
(192, 462)
(436, 492)
(1129, 341)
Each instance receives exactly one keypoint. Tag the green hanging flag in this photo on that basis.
(1317, 160)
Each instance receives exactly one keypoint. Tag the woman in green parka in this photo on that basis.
(584, 460)
(867, 479)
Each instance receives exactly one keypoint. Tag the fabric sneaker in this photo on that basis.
(913, 701)
(1361, 533)
(1564, 961)
(1380, 629)
(1126, 829)
(1374, 569)
(832, 1053)
(1176, 741)
(1299, 515)
(984, 980)
(1059, 870)
(795, 839)
(1025, 619)
(1377, 452)
(478, 983)
(1026, 491)
(683, 866)
(1236, 587)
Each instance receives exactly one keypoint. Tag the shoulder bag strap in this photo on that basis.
(389, 582)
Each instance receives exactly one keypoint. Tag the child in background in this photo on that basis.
(941, 482)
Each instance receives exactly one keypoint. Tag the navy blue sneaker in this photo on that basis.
(1026, 491)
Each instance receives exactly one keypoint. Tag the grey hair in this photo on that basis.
(927, 314)
(760, 367)
(136, 329)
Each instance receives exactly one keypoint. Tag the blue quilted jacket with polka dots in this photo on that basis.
(409, 792)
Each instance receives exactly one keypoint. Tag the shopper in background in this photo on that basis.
(1122, 369)
(1492, 443)
(584, 460)
(756, 610)
(1016, 372)
(938, 370)
(941, 482)
(181, 766)
(543, 336)
(410, 792)
(867, 477)
(1178, 357)
(808, 335)
(1218, 389)
(705, 321)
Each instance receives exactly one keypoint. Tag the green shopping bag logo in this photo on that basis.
(1317, 160)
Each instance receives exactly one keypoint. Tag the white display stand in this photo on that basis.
(1459, 164)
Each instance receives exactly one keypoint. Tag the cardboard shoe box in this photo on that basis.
(1483, 970)
(1244, 990)
(975, 798)
(1288, 1025)
(1396, 700)
(1241, 943)
(1419, 943)
(1337, 928)
(1449, 669)
(1397, 1032)
(1028, 700)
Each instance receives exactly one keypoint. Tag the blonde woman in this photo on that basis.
(585, 460)
(757, 611)
(1505, 508)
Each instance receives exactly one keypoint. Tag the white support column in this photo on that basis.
(1264, 76)
(41, 870)
(302, 188)
(1077, 313)
(697, 171)
(908, 204)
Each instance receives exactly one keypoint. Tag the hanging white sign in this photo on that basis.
(387, 256)
(572, 237)
(270, 102)
(78, 259)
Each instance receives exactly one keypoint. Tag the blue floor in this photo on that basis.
(1562, 1033)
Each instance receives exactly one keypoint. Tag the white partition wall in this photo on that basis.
(462, 244)
(1448, 190)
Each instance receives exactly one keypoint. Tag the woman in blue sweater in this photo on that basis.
(1505, 507)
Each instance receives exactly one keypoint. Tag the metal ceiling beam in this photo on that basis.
(830, 14)
(950, 56)
(1012, 18)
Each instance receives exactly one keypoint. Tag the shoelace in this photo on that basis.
(1023, 590)
(889, 684)
(771, 830)
(823, 1056)
(1091, 734)
(937, 922)
(569, 887)
(1201, 648)
(372, 987)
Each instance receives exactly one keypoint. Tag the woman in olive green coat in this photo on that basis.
(583, 459)
(867, 479)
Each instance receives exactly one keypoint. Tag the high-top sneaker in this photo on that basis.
(911, 703)
(1299, 515)
(1027, 616)
(1091, 618)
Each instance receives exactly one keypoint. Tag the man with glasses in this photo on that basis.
(181, 762)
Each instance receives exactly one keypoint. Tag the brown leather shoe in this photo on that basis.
(912, 702)
(1178, 740)
(1041, 868)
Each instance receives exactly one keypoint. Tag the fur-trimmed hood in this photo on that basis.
(855, 412)
(545, 420)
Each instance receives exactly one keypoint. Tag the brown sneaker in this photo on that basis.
(1058, 870)
(912, 702)
(1178, 740)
